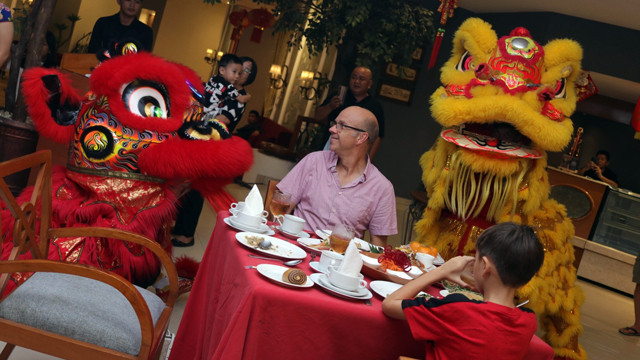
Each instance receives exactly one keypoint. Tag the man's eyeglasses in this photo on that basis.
(340, 126)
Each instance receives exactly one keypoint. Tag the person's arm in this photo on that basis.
(590, 165)
(323, 111)
(451, 270)
(602, 178)
(6, 38)
(379, 240)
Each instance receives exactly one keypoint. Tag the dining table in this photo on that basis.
(234, 312)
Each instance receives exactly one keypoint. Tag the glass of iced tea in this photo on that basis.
(340, 237)
(280, 204)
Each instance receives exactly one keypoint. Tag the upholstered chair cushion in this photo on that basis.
(81, 308)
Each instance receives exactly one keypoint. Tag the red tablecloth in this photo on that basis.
(236, 313)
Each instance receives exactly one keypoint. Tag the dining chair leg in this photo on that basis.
(8, 348)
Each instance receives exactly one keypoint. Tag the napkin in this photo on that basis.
(352, 262)
(253, 203)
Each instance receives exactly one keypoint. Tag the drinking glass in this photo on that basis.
(340, 237)
(280, 204)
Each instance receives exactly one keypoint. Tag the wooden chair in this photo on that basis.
(70, 310)
(81, 64)
(271, 188)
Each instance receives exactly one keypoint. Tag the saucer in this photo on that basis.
(263, 229)
(323, 282)
(301, 234)
(315, 265)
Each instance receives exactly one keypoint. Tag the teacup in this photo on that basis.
(425, 259)
(329, 258)
(250, 220)
(345, 281)
(290, 223)
(236, 207)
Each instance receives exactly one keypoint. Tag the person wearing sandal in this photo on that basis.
(634, 330)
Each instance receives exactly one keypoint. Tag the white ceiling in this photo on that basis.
(625, 13)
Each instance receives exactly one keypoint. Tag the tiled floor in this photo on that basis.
(603, 312)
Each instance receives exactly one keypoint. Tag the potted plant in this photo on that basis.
(366, 33)
(17, 135)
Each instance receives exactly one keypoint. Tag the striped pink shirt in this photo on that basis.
(368, 203)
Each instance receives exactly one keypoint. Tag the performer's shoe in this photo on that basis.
(178, 243)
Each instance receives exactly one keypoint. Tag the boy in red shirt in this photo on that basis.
(507, 256)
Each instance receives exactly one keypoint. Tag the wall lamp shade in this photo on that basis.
(210, 58)
(278, 75)
(307, 79)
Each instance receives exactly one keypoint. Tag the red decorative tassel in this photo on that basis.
(256, 34)
(436, 48)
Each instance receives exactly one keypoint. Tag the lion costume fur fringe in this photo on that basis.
(503, 104)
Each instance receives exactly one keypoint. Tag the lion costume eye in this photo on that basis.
(560, 89)
(466, 62)
(146, 99)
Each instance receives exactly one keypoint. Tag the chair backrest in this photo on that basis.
(271, 188)
(31, 216)
(309, 135)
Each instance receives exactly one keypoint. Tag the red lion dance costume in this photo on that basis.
(504, 102)
(136, 140)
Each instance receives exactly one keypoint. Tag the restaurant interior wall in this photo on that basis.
(410, 130)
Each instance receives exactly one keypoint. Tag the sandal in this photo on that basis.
(629, 331)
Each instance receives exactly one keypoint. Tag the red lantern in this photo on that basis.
(261, 19)
(239, 20)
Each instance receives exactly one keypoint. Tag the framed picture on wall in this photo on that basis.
(401, 72)
(396, 92)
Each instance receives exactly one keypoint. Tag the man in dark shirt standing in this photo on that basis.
(123, 25)
(598, 169)
(357, 94)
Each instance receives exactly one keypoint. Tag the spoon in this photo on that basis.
(265, 244)
(288, 263)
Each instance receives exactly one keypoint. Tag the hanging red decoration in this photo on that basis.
(239, 20)
(585, 86)
(446, 9)
(261, 19)
(635, 120)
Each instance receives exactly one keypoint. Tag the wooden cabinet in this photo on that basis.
(581, 196)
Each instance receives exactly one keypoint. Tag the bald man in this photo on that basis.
(358, 94)
(341, 185)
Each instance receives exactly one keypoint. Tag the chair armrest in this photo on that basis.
(129, 236)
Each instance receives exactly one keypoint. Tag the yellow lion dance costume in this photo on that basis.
(503, 103)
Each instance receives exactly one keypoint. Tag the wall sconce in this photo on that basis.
(210, 58)
(279, 76)
(307, 78)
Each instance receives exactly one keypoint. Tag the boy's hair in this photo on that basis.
(227, 59)
(605, 153)
(515, 251)
(254, 69)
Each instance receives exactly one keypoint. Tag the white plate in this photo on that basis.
(384, 288)
(274, 273)
(315, 265)
(318, 279)
(400, 274)
(438, 260)
(370, 261)
(263, 229)
(323, 234)
(279, 248)
(301, 234)
(306, 243)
